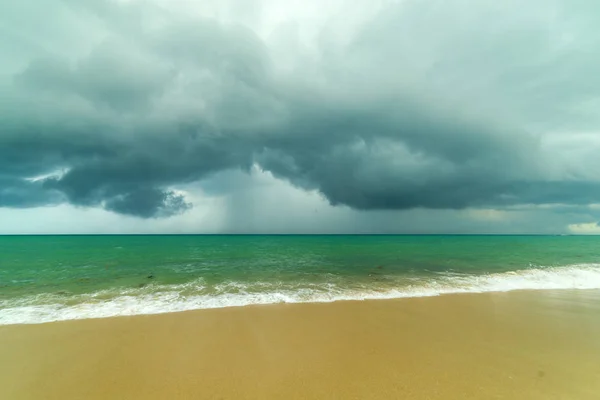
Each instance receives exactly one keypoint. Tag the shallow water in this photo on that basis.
(49, 278)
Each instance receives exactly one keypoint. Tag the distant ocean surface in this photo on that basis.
(53, 278)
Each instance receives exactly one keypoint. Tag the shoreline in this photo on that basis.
(309, 303)
(166, 298)
(517, 345)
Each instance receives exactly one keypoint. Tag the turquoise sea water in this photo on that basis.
(49, 278)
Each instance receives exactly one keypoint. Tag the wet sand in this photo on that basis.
(519, 345)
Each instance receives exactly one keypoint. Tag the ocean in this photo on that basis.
(53, 278)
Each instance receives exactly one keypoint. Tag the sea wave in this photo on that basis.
(157, 299)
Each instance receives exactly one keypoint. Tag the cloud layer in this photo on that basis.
(384, 105)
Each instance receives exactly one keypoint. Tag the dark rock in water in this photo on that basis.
(151, 276)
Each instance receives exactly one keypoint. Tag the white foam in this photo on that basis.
(155, 299)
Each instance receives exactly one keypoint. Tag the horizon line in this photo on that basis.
(296, 234)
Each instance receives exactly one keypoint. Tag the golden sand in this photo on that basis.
(526, 345)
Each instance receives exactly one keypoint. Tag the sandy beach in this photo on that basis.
(518, 345)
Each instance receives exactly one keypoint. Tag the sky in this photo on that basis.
(328, 116)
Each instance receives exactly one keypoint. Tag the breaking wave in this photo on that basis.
(156, 299)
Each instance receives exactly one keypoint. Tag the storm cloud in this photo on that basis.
(384, 105)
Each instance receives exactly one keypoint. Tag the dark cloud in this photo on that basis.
(398, 116)
(19, 193)
(148, 202)
(111, 76)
